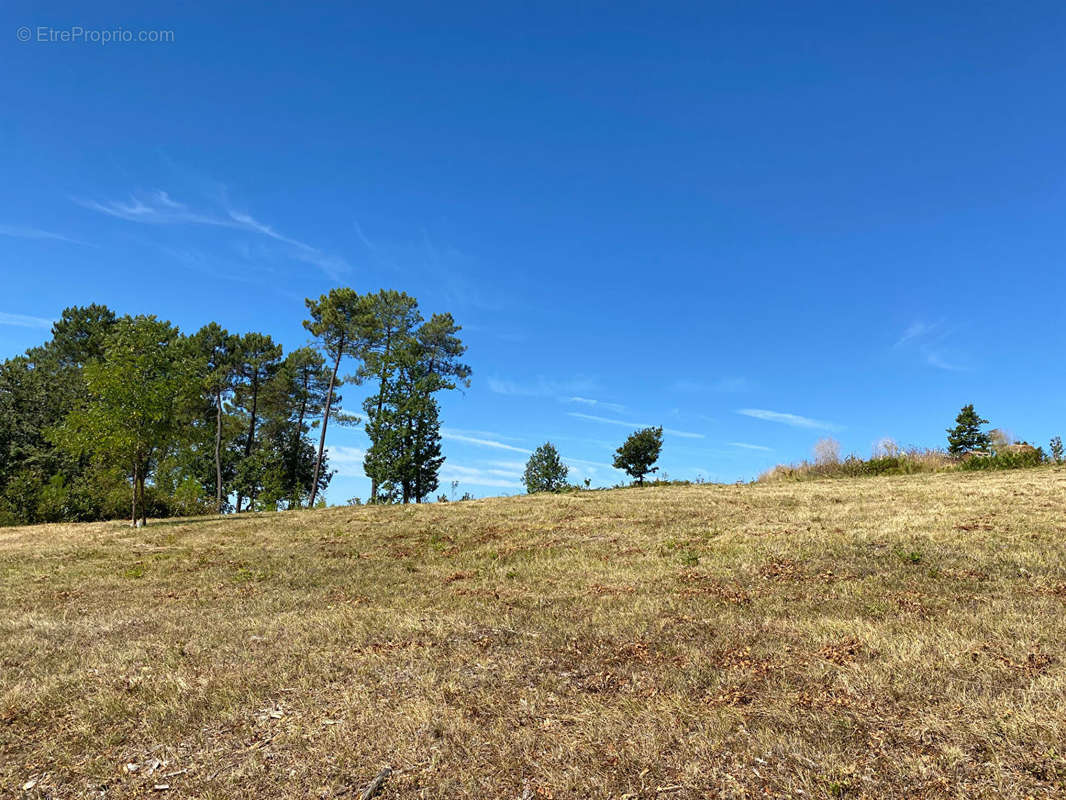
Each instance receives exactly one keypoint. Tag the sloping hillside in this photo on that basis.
(880, 638)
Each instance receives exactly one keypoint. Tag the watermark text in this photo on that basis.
(78, 34)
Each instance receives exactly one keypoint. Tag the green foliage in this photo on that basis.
(545, 470)
(411, 361)
(137, 395)
(1016, 457)
(1056, 449)
(967, 435)
(639, 452)
(339, 321)
(127, 413)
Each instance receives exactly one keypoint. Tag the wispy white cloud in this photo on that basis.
(936, 359)
(747, 446)
(476, 476)
(543, 387)
(932, 341)
(618, 408)
(347, 461)
(915, 330)
(159, 208)
(24, 320)
(369, 245)
(795, 420)
(624, 423)
(23, 232)
(513, 466)
(455, 436)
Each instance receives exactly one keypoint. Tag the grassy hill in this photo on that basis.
(883, 637)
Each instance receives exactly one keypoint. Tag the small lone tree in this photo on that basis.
(639, 452)
(1056, 449)
(967, 435)
(545, 471)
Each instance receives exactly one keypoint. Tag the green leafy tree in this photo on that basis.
(967, 435)
(1056, 449)
(637, 454)
(37, 391)
(545, 470)
(340, 323)
(258, 359)
(218, 350)
(137, 393)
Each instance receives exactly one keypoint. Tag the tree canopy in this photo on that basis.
(967, 435)
(545, 470)
(639, 452)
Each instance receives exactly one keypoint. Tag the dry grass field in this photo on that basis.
(886, 637)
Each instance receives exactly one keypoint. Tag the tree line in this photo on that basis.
(126, 414)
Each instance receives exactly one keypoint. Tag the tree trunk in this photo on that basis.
(385, 353)
(251, 435)
(133, 501)
(144, 510)
(218, 453)
(294, 461)
(325, 420)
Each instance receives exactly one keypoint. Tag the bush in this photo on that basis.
(902, 463)
(1017, 456)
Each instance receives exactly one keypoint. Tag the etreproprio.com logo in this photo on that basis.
(78, 34)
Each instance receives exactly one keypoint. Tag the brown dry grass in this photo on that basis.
(885, 637)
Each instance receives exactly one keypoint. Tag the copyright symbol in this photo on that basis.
(23, 34)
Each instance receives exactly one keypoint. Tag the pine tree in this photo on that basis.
(219, 351)
(403, 421)
(293, 402)
(639, 452)
(258, 359)
(393, 318)
(967, 435)
(340, 321)
(545, 470)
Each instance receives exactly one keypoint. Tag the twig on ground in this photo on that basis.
(376, 785)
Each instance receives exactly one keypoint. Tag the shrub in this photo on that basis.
(1017, 456)
(827, 451)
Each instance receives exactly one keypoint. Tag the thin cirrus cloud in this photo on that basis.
(624, 423)
(480, 441)
(932, 342)
(23, 232)
(347, 461)
(543, 387)
(618, 408)
(476, 476)
(794, 420)
(159, 208)
(24, 320)
(748, 446)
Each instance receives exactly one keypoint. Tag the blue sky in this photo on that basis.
(753, 223)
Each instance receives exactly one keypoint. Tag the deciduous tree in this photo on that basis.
(637, 454)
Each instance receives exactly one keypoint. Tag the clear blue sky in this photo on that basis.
(752, 223)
